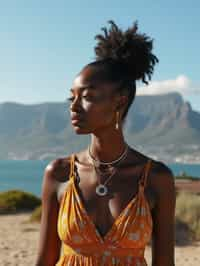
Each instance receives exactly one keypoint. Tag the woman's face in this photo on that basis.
(93, 103)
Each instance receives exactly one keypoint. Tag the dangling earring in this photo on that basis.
(117, 120)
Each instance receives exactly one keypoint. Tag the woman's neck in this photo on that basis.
(107, 147)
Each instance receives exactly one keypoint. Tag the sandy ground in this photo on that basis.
(19, 241)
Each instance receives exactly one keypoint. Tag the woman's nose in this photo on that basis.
(75, 104)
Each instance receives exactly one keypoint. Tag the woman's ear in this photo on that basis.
(122, 102)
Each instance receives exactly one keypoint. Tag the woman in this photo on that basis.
(106, 202)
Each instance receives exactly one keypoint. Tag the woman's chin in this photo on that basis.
(80, 130)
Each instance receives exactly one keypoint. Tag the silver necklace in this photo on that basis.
(97, 163)
(101, 189)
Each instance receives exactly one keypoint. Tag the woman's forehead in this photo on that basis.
(81, 83)
(84, 81)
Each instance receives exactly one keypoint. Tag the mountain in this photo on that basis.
(164, 126)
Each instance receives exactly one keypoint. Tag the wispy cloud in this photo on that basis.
(181, 84)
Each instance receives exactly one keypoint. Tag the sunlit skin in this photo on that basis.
(95, 103)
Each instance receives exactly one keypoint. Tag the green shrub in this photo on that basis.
(188, 211)
(13, 201)
(184, 235)
(36, 214)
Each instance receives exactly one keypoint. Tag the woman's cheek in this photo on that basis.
(91, 105)
(87, 106)
(97, 111)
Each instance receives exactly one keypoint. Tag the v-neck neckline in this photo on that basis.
(91, 222)
(103, 238)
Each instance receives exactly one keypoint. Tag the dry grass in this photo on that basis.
(36, 214)
(188, 212)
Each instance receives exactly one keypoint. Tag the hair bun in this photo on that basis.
(130, 49)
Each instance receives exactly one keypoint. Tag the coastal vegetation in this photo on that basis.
(13, 201)
(188, 213)
(36, 214)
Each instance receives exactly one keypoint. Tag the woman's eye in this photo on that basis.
(85, 97)
(70, 98)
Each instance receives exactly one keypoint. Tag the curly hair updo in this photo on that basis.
(123, 57)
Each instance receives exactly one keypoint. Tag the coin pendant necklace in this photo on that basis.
(101, 189)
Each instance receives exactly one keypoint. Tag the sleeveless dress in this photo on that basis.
(123, 245)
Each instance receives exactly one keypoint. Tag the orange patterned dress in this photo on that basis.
(123, 245)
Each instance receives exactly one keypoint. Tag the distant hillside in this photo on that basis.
(163, 125)
(164, 119)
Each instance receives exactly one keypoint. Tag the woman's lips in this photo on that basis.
(76, 121)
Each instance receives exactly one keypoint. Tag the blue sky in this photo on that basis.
(44, 44)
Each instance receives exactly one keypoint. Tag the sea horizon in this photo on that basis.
(27, 175)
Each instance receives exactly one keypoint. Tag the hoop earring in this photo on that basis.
(117, 120)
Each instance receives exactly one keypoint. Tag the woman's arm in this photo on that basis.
(49, 243)
(163, 236)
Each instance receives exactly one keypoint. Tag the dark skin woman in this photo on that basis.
(102, 89)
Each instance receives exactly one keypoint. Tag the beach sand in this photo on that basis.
(19, 242)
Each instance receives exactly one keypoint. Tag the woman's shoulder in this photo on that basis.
(56, 175)
(59, 168)
(161, 177)
(160, 181)
(159, 172)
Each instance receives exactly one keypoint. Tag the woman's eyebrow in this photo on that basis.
(84, 88)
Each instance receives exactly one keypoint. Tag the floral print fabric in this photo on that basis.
(123, 245)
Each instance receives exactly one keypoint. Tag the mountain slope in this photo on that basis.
(44, 130)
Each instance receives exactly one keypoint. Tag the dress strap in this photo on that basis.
(72, 172)
(143, 179)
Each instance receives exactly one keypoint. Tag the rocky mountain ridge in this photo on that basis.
(164, 126)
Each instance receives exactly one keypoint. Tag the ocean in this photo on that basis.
(27, 175)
